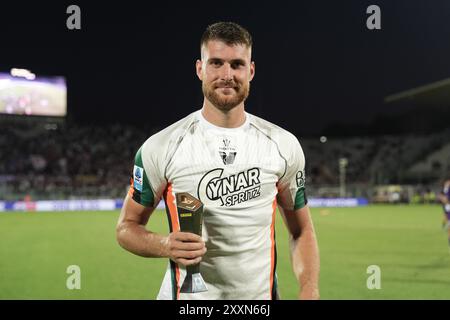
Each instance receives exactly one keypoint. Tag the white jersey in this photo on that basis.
(240, 175)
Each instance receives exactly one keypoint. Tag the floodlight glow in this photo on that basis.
(23, 73)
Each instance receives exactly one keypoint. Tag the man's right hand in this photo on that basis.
(184, 247)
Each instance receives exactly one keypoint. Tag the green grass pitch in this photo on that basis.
(406, 242)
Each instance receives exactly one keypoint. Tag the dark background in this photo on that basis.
(319, 70)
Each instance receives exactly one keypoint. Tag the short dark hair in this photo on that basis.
(229, 32)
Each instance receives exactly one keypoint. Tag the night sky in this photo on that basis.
(316, 62)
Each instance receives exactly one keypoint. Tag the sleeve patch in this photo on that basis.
(138, 178)
(141, 189)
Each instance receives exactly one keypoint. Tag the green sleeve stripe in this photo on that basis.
(300, 198)
(147, 197)
(144, 196)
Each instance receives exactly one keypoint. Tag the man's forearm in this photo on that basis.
(138, 240)
(306, 263)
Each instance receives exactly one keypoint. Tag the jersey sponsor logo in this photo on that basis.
(300, 178)
(227, 152)
(138, 176)
(231, 190)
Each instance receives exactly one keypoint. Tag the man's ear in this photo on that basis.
(252, 70)
(198, 68)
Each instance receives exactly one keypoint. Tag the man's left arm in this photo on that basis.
(304, 251)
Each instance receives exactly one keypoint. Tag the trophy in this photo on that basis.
(190, 215)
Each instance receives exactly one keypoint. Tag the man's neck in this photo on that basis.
(226, 119)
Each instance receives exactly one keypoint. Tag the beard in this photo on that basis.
(226, 102)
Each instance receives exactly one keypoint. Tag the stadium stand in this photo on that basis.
(69, 162)
(87, 162)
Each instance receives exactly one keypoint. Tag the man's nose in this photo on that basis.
(227, 72)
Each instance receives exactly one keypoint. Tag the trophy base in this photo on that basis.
(193, 283)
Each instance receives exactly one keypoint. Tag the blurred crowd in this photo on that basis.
(67, 161)
(44, 161)
(379, 160)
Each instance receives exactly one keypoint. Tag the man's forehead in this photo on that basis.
(222, 50)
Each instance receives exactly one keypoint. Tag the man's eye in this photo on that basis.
(216, 63)
(237, 65)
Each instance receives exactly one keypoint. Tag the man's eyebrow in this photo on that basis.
(215, 60)
(241, 61)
